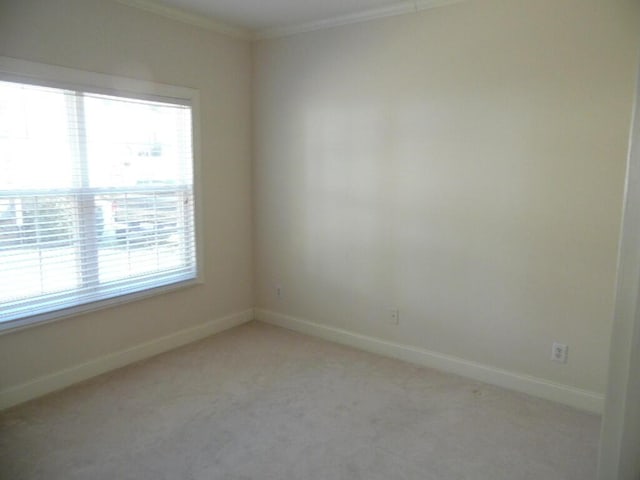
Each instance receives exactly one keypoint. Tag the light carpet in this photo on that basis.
(260, 402)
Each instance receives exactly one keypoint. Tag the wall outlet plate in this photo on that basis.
(394, 316)
(559, 352)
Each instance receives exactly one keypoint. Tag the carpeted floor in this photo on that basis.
(259, 402)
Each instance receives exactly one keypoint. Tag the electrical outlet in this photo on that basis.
(560, 352)
(394, 316)
(278, 289)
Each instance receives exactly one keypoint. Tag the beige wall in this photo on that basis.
(104, 36)
(465, 164)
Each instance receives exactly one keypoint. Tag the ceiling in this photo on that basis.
(268, 18)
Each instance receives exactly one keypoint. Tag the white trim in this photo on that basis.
(400, 8)
(189, 18)
(11, 326)
(198, 191)
(620, 433)
(63, 77)
(64, 378)
(177, 14)
(574, 397)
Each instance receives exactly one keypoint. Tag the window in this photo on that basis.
(96, 196)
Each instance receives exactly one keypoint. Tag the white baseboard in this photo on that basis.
(581, 399)
(574, 397)
(63, 378)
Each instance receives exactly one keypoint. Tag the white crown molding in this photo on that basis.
(202, 21)
(190, 18)
(400, 8)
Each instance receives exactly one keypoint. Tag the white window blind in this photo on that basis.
(96, 197)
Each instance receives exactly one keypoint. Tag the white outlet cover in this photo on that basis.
(559, 352)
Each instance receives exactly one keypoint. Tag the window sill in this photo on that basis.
(12, 326)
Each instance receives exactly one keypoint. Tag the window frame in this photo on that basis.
(35, 73)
